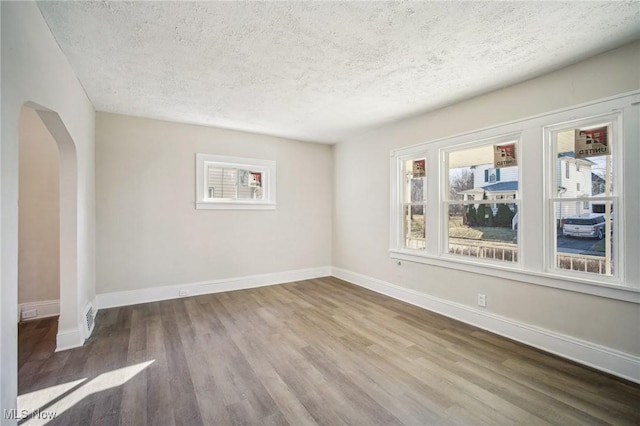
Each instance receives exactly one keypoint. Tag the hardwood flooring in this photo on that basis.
(313, 352)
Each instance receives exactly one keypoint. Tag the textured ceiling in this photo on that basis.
(319, 71)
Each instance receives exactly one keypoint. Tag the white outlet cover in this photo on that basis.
(482, 300)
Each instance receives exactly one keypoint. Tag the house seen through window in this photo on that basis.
(584, 202)
(482, 204)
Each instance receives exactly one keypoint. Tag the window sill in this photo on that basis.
(516, 273)
(234, 205)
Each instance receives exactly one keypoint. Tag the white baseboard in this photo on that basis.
(593, 355)
(44, 308)
(69, 339)
(154, 294)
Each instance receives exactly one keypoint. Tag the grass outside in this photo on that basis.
(458, 230)
(485, 233)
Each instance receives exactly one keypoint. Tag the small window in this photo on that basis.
(567, 172)
(577, 186)
(414, 203)
(234, 183)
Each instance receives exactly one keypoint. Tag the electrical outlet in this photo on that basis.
(482, 300)
(31, 313)
(183, 293)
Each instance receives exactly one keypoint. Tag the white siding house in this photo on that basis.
(574, 181)
(496, 184)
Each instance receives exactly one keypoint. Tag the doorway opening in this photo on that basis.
(48, 224)
(38, 242)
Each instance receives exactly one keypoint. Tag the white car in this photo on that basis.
(588, 226)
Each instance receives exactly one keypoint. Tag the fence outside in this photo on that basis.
(484, 250)
(509, 252)
(583, 263)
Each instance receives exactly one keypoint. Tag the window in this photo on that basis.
(584, 241)
(556, 219)
(478, 226)
(492, 175)
(413, 202)
(234, 183)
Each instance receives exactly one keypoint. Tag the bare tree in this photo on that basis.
(460, 180)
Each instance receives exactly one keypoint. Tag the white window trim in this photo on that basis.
(533, 268)
(396, 234)
(551, 178)
(445, 202)
(266, 167)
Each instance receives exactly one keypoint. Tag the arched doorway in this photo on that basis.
(69, 330)
(38, 224)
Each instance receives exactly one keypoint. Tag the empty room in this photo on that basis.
(320, 213)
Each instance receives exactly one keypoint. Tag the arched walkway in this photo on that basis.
(69, 331)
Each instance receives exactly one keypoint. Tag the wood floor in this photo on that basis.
(312, 352)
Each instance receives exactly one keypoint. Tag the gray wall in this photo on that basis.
(149, 233)
(361, 218)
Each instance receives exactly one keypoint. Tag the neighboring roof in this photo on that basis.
(502, 186)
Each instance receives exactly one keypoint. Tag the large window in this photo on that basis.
(582, 203)
(541, 200)
(234, 183)
(481, 200)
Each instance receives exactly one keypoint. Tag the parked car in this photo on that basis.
(588, 226)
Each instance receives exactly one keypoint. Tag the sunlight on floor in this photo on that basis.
(37, 408)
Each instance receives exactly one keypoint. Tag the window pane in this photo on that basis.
(584, 242)
(234, 183)
(414, 227)
(222, 182)
(487, 231)
(584, 223)
(582, 175)
(415, 181)
(473, 175)
(250, 185)
(417, 190)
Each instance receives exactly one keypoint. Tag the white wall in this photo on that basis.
(361, 212)
(39, 212)
(35, 70)
(149, 233)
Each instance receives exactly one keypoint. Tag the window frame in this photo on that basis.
(266, 167)
(533, 211)
(616, 199)
(445, 202)
(397, 199)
